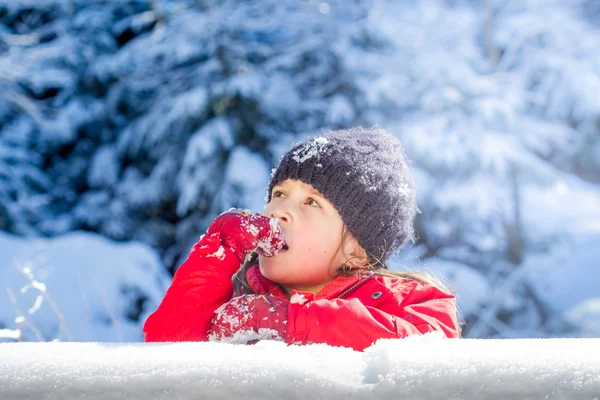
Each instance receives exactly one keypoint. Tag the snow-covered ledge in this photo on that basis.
(417, 368)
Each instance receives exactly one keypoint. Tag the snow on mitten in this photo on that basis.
(244, 231)
(249, 318)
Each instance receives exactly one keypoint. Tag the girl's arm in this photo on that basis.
(350, 323)
(203, 282)
(200, 285)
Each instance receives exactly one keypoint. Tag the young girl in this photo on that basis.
(314, 265)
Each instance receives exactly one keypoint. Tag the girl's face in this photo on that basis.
(312, 229)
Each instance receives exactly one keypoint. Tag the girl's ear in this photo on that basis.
(357, 255)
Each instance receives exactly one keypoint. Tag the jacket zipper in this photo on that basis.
(356, 285)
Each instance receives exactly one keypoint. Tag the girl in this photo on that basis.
(314, 265)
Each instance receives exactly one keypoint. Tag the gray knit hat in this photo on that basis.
(364, 173)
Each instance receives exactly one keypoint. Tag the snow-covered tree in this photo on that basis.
(144, 110)
(497, 144)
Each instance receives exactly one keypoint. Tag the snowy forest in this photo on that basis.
(127, 126)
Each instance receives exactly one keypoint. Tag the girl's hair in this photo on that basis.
(376, 266)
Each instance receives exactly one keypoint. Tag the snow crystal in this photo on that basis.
(220, 253)
(310, 149)
(274, 222)
(248, 257)
(252, 229)
(274, 242)
(298, 298)
(224, 315)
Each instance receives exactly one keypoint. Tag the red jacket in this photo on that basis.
(349, 311)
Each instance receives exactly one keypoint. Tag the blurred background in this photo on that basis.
(126, 126)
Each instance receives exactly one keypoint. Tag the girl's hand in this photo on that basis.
(244, 231)
(248, 318)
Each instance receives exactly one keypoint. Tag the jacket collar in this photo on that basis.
(261, 285)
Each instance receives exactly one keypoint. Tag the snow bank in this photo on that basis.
(417, 367)
(84, 287)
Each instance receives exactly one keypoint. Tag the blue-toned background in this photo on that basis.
(127, 126)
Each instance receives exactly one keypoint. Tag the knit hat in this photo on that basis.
(364, 173)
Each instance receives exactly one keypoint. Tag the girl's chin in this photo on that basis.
(269, 267)
(267, 263)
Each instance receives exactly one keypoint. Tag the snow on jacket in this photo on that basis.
(349, 311)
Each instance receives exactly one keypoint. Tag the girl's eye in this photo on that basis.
(312, 202)
(277, 193)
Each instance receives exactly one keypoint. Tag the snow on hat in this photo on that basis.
(364, 173)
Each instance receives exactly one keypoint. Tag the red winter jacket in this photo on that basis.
(349, 311)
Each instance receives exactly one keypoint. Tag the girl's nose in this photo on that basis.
(285, 218)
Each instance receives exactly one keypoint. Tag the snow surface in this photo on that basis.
(84, 287)
(418, 367)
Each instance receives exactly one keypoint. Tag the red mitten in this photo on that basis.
(244, 231)
(249, 318)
